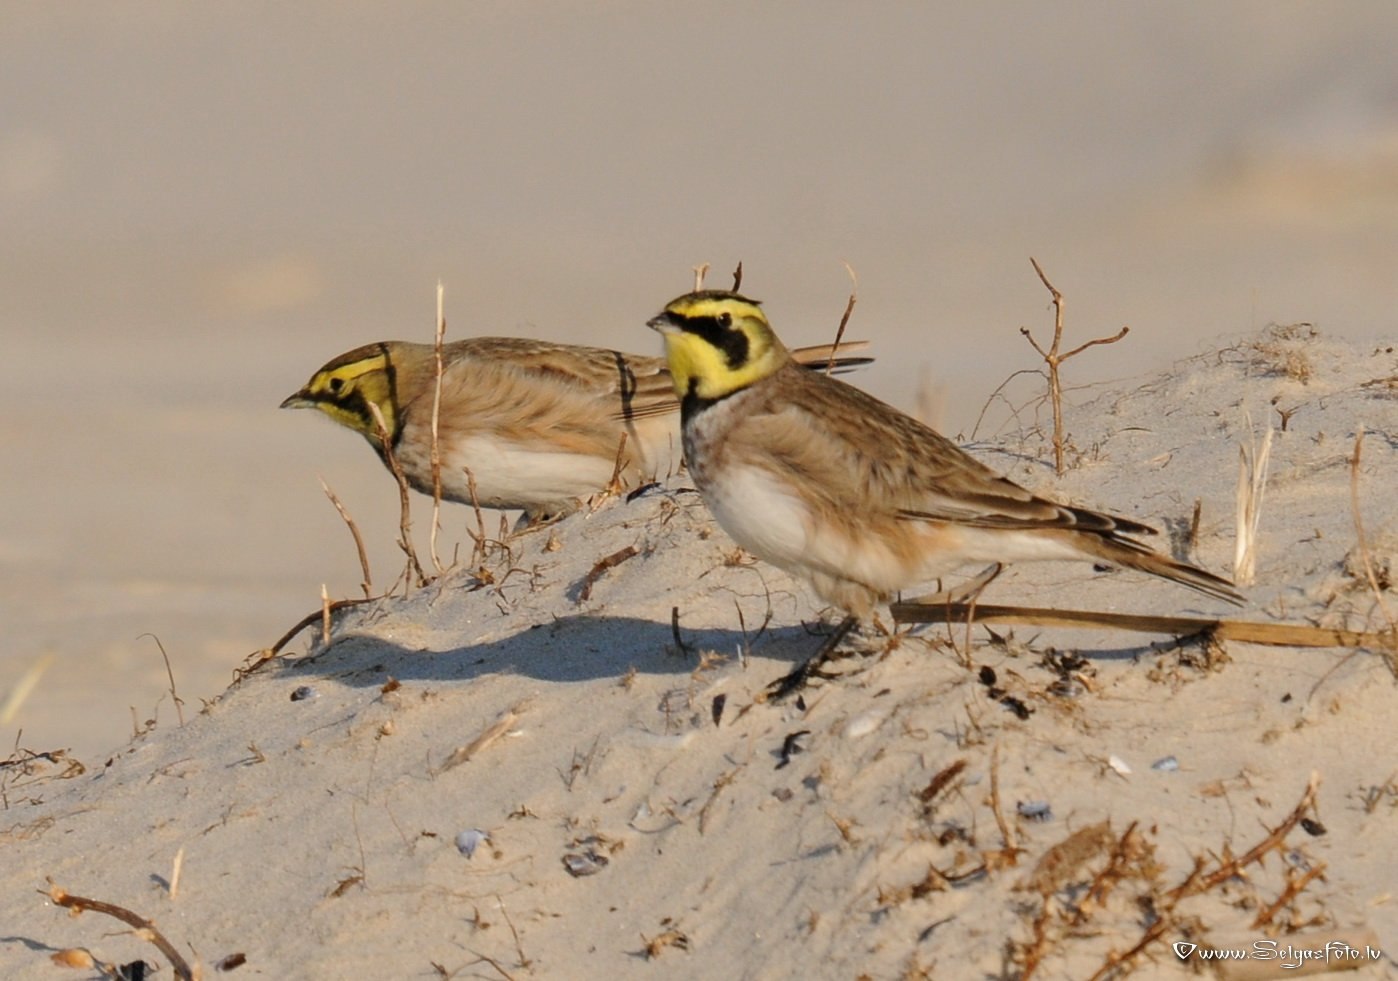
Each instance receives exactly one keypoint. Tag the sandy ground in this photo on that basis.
(1033, 803)
(201, 203)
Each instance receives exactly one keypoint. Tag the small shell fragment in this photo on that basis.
(304, 692)
(1035, 810)
(1166, 764)
(468, 841)
(584, 863)
(864, 723)
(1119, 765)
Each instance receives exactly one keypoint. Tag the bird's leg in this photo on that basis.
(811, 667)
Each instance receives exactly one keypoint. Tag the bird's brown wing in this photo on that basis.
(861, 454)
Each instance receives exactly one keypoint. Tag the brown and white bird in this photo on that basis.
(849, 494)
(538, 425)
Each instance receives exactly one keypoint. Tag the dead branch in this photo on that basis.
(145, 929)
(1053, 359)
(368, 584)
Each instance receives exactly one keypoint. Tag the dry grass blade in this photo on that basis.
(700, 271)
(1252, 481)
(1245, 631)
(169, 673)
(436, 444)
(22, 689)
(1007, 834)
(844, 320)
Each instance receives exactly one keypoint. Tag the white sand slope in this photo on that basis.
(318, 835)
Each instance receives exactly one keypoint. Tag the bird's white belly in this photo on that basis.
(759, 512)
(511, 475)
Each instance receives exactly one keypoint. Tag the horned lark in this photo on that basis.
(837, 488)
(538, 426)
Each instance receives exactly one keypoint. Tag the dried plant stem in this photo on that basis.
(487, 736)
(368, 584)
(1053, 359)
(405, 519)
(615, 485)
(738, 277)
(305, 622)
(700, 271)
(844, 320)
(1252, 482)
(175, 870)
(324, 616)
(478, 537)
(1197, 882)
(1006, 832)
(1390, 647)
(169, 673)
(1276, 837)
(1244, 631)
(145, 929)
(436, 444)
(22, 689)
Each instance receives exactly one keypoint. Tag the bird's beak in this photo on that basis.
(298, 401)
(662, 323)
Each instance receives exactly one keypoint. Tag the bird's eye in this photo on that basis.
(725, 319)
(336, 384)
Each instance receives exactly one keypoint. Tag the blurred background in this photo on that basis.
(201, 203)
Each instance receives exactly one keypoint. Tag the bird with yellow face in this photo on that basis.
(841, 490)
(538, 425)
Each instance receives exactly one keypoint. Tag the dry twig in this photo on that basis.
(601, 566)
(1053, 359)
(145, 929)
(405, 520)
(487, 737)
(368, 584)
